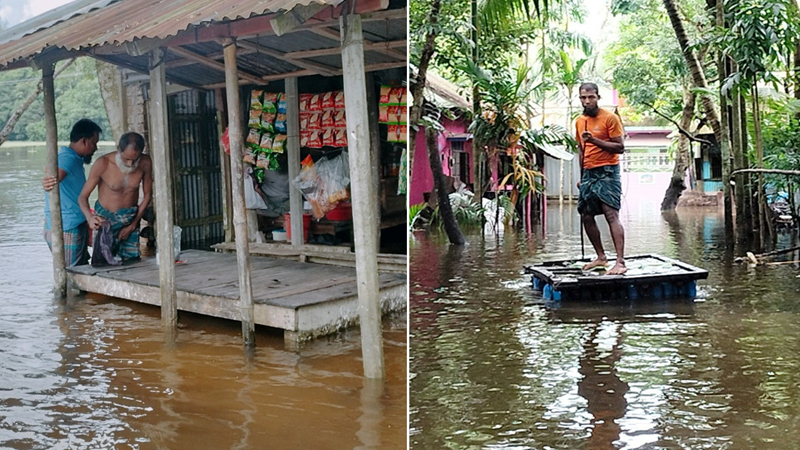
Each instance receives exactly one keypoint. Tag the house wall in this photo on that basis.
(421, 175)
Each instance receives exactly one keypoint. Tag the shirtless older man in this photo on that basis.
(118, 176)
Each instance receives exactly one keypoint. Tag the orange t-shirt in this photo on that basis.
(604, 126)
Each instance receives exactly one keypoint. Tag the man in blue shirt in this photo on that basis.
(71, 177)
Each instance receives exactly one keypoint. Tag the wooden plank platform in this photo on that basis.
(305, 300)
(320, 254)
(648, 276)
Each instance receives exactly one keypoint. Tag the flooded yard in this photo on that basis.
(493, 366)
(94, 372)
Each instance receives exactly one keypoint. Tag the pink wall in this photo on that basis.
(421, 176)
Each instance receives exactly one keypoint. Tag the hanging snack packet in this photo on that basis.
(314, 140)
(278, 143)
(383, 114)
(339, 120)
(253, 137)
(304, 119)
(392, 133)
(314, 121)
(280, 123)
(402, 133)
(404, 96)
(385, 95)
(255, 119)
(403, 114)
(326, 121)
(338, 101)
(305, 103)
(249, 155)
(282, 103)
(262, 161)
(315, 103)
(340, 137)
(328, 139)
(328, 100)
(271, 102)
(266, 122)
(304, 138)
(395, 96)
(266, 142)
(255, 99)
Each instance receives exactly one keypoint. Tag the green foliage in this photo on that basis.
(413, 212)
(467, 213)
(760, 35)
(77, 96)
(504, 106)
(648, 67)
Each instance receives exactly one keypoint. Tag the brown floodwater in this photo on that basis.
(94, 372)
(493, 366)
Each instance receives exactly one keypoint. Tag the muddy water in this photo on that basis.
(93, 372)
(494, 367)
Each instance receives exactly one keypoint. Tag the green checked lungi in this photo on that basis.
(599, 185)
(76, 243)
(129, 248)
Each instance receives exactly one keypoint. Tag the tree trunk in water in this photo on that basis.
(15, 116)
(725, 143)
(759, 165)
(698, 76)
(418, 89)
(682, 157)
(445, 209)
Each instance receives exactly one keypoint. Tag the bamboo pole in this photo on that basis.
(235, 133)
(162, 173)
(293, 158)
(225, 169)
(56, 224)
(365, 220)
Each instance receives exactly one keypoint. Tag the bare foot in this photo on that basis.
(597, 262)
(618, 269)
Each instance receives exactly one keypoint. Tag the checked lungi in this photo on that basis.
(76, 241)
(599, 185)
(129, 248)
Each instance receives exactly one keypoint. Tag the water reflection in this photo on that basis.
(92, 372)
(495, 367)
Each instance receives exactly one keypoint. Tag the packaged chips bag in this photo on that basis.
(255, 99)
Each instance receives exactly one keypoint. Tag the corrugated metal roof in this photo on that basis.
(85, 23)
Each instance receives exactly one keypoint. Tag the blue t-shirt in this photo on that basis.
(71, 186)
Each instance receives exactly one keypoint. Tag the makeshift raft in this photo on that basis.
(648, 276)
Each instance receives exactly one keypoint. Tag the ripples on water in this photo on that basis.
(93, 372)
(494, 367)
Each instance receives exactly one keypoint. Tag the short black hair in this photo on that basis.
(129, 138)
(84, 128)
(589, 86)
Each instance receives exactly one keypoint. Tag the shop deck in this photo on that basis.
(648, 276)
(305, 300)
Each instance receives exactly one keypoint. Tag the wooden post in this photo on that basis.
(365, 220)
(237, 184)
(162, 174)
(225, 168)
(293, 158)
(375, 151)
(56, 225)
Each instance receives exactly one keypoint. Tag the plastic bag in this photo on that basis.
(324, 183)
(251, 198)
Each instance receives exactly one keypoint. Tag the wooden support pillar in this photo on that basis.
(225, 169)
(293, 157)
(162, 173)
(56, 225)
(375, 151)
(365, 218)
(235, 132)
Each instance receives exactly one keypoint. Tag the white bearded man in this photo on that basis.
(118, 176)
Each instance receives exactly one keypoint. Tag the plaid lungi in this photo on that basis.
(600, 185)
(76, 243)
(129, 248)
